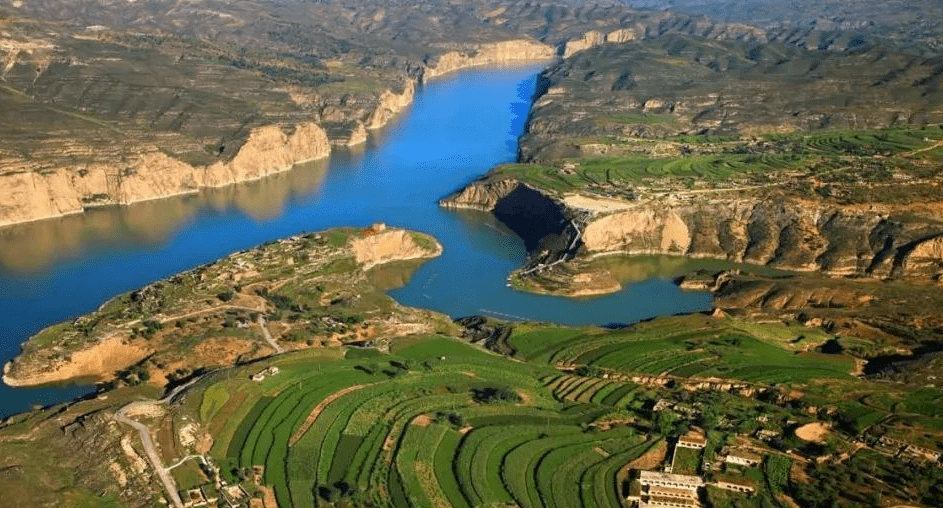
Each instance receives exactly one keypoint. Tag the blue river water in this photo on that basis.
(457, 128)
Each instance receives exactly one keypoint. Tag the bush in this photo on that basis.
(491, 395)
(226, 296)
(588, 371)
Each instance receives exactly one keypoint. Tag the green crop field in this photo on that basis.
(684, 347)
(827, 153)
(440, 422)
(437, 423)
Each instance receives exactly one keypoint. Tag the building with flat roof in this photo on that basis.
(692, 439)
(666, 490)
(743, 457)
(675, 481)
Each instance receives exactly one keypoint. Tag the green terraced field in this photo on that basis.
(829, 154)
(689, 346)
(439, 422)
(411, 434)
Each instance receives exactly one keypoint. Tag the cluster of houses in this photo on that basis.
(897, 448)
(668, 489)
(218, 493)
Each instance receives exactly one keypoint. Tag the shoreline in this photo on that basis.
(390, 107)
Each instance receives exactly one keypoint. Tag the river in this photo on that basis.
(458, 127)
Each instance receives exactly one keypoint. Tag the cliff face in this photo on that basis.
(270, 150)
(785, 232)
(385, 246)
(539, 220)
(152, 174)
(390, 105)
(519, 50)
(90, 162)
(483, 195)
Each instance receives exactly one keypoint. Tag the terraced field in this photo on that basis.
(829, 154)
(437, 423)
(690, 346)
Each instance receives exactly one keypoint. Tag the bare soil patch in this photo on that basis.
(422, 420)
(651, 459)
(813, 432)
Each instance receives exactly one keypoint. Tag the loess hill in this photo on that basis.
(112, 103)
(790, 168)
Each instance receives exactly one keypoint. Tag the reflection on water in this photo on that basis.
(33, 246)
(628, 269)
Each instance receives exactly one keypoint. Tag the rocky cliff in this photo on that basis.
(539, 220)
(506, 52)
(117, 142)
(383, 245)
(391, 104)
(773, 230)
(151, 174)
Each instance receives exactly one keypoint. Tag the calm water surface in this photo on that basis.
(455, 131)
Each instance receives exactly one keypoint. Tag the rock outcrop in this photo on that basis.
(390, 105)
(539, 220)
(151, 174)
(783, 232)
(483, 195)
(99, 361)
(380, 245)
(519, 50)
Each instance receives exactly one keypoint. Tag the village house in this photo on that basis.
(662, 405)
(692, 439)
(193, 498)
(905, 448)
(735, 486)
(665, 490)
(259, 376)
(766, 434)
(675, 481)
(743, 457)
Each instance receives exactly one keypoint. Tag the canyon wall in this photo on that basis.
(519, 50)
(151, 174)
(146, 172)
(787, 233)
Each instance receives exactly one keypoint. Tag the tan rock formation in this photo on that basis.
(270, 150)
(151, 174)
(99, 360)
(354, 136)
(518, 50)
(639, 231)
(623, 35)
(590, 39)
(390, 105)
(481, 195)
(380, 246)
(787, 233)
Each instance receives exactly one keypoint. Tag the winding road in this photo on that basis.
(162, 472)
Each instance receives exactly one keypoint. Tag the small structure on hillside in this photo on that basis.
(743, 457)
(910, 449)
(193, 498)
(741, 485)
(662, 405)
(271, 371)
(692, 439)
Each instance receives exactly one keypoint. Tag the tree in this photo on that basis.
(664, 422)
